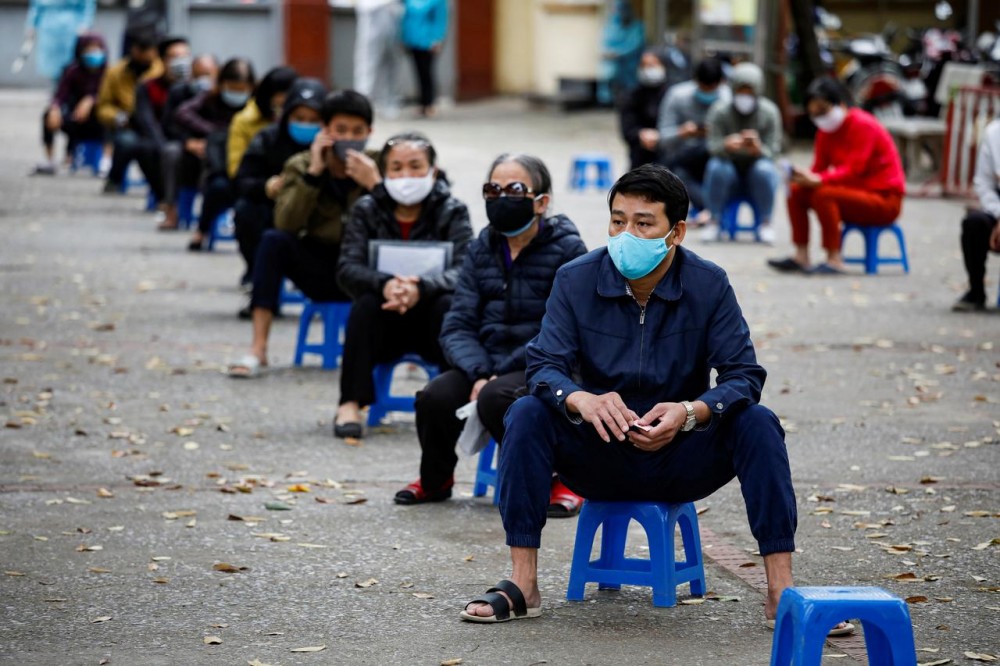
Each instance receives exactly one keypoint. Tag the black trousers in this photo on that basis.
(376, 336)
(76, 132)
(423, 62)
(216, 197)
(311, 265)
(130, 146)
(976, 229)
(438, 428)
(252, 219)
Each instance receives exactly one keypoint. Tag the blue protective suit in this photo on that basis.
(56, 24)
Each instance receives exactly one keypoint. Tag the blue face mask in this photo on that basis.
(636, 257)
(303, 133)
(706, 98)
(518, 232)
(94, 59)
(233, 99)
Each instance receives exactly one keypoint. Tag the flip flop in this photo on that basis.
(787, 265)
(248, 367)
(563, 502)
(500, 605)
(825, 269)
(846, 630)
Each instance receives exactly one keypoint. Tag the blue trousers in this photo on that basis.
(749, 445)
(724, 182)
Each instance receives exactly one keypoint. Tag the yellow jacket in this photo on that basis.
(117, 92)
(242, 130)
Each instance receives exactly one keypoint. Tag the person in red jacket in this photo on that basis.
(856, 176)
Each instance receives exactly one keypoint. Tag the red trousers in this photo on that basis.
(835, 204)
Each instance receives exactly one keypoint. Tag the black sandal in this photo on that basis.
(500, 605)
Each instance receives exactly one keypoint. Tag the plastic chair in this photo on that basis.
(612, 569)
(186, 216)
(385, 402)
(601, 162)
(730, 222)
(486, 473)
(223, 229)
(330, 348)
(806, 615)
(872, 260)
(290, 294)
(87, 155)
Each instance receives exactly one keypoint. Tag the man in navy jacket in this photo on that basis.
(620, 399)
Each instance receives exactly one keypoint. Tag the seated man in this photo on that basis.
(318, 187)
(682, 127)
(981, 228)
(116, 102)
(744, 135)
(640, 325)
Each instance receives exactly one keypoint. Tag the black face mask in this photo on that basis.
(507, 215)
(138, 67)
(341, 147)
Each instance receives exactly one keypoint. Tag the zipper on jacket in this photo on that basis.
(642, 330)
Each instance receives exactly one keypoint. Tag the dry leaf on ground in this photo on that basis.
(315, 648)
(226, 567)
(211, 640)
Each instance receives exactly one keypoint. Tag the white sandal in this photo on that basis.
(248, 367)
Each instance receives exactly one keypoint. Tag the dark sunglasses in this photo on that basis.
(515, 191)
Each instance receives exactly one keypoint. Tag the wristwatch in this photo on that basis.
(691, 421)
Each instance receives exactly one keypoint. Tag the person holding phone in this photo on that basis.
(497, 308)
(630, 336)
(392, 315)
(312, 196)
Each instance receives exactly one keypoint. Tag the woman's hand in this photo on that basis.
(671, 416)
(273, 185)
(607, 413)
(805, 178)
(649, 138)
(83, 108)
(401, 294)
(196, 147)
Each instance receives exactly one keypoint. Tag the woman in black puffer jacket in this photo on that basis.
(497, 308)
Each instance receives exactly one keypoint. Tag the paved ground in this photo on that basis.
(111, 345)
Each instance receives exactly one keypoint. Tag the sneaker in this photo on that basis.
(44, 169)
(111, 187)
(710, 233)
(767, 234)
(969, 303)
(104, 166)
(415, 493)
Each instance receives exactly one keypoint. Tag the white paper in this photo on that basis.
(413, 260)
(475, 436)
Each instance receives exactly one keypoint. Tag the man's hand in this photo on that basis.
(649, 138)
(805, 178)
(196, 147)
(317, 153)
(401, 293)
(733, 143)
(995, 237)
(53, 119)
(751, 142)
(273, 185)
(478, 386)
(607, 413)
(688, 130)
(671, 416)
(362, 169)
(83, 108)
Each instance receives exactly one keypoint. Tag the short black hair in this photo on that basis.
(657, 184)
(142, 38)
(829, 89)
(167, 42)
(277, 80)
(709, 72)
(237, 70)
(348, 102)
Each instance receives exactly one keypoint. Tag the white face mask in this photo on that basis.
(744, 104)
(831, 120)
(652, 76)
(409, 191)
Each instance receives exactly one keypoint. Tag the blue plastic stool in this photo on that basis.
(334, 316)
(872, 260)
(486, 473)
(385, 402)
(87, 155)
(806, 615)
(290, 294)
(612, 569)
(730, 222)
(582, 163)
(185, 207)
(223, 229)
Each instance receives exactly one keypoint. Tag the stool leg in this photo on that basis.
(902, 249)
(614, 532)
(331, 334)
(871, 250)
(586, 529)
(660, 536)
(691, 539)
(304, 321)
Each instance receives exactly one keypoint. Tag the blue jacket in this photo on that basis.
(594, 338)
(425, 23)
(495, 311)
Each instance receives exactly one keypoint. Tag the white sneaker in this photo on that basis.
(710, 233)
(767, 234)
(104, 166)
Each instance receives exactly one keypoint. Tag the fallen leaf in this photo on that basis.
(845, 549)
(917, 599)
(161, 581)
(315, 648)
(978, 514)
(299, 488)
(469, 558)
(211, 640)
(14, 573)
(452, 662)
(936, 662)
(909, 575)
(342, 574)
(692, 602)
(979, 656)
(99, 570)
(103, 618)
(225, 567)
(277, 506)
(366, 583)
(84, 548)
(423, 595)
(355, 500)
(160, 558)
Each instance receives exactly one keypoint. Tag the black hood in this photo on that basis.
(304, 92)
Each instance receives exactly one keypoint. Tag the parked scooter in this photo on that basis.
(872, 75)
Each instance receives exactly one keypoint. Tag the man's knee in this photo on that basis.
(435, 400)
(976, 222)
(495, 398)
(764, 171)
(525, 411)
(759, 427)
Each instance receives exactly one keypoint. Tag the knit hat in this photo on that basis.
(747, 74)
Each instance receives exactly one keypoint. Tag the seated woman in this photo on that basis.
(392, 315)
(497, 308)
(263, 109)
(639, 110)
(71, 110)
(204, 120)
(856, 177)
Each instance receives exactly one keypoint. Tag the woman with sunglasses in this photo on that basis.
(392, 315)
(497, 308)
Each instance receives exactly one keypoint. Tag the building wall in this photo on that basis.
(514, 46)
